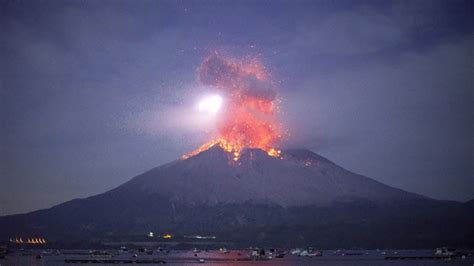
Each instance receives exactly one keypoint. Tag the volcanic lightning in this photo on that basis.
(211, 104)
(248, 120)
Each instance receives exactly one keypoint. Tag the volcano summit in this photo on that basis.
(298, 198)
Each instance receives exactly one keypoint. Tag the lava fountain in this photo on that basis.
(248, 120)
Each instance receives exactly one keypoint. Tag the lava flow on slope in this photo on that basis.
(249, 116)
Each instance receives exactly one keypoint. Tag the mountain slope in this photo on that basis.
(300, 178)
(302, 194)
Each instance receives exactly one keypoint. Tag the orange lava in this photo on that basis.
(228, 147)
(249, 117)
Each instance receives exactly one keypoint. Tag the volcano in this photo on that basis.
(299, 198)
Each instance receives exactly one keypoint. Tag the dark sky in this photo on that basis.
(96, 92)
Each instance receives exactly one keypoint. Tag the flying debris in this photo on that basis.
(249, 117)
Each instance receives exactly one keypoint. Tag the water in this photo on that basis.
(330, 257)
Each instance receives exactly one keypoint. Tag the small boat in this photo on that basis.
(46, 253)
(310, 252)
(259, 254)
(445, 252)
(276, 253)
(123, 249)
(295, 251)
(223, 251)
(280, 255)
(100, 253)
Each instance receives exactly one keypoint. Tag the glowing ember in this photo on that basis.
(248, 119)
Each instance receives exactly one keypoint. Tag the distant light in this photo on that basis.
(210, 104)
(150, 234)
(167, 236)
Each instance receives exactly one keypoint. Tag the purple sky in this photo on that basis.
(96, 92)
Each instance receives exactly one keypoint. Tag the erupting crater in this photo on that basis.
(248, 120)
(228, 147)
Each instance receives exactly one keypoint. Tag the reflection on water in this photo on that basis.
(235, 257)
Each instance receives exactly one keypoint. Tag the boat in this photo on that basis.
(354, 254)
(280, 255)
(310, 252)
(276, 253)
(445, 252)
(259, 254)
(295, 251)
(223, 251)
(100, 254)
(123, 249)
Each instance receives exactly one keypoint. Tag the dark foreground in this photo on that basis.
(235, 257)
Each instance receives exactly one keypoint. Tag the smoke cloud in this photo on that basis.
(246, 80)
(249, 118)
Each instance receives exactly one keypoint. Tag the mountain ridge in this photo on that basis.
(299, 178)
(301, 194)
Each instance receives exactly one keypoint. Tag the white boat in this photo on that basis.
(310, 252)
(260, 254)
(295, 251)
(223, 250)
(445, 252)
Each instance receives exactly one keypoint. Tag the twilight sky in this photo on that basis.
(93, 93)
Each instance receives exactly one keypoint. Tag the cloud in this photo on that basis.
(410, 120)
(350, 33)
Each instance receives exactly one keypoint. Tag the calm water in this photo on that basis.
(330, 257)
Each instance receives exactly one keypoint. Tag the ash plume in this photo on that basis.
(247, 80)
(248, 118)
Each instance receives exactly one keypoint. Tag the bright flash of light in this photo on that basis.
(210, 104)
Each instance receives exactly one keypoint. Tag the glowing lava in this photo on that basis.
(228, 147)
(248, 119)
